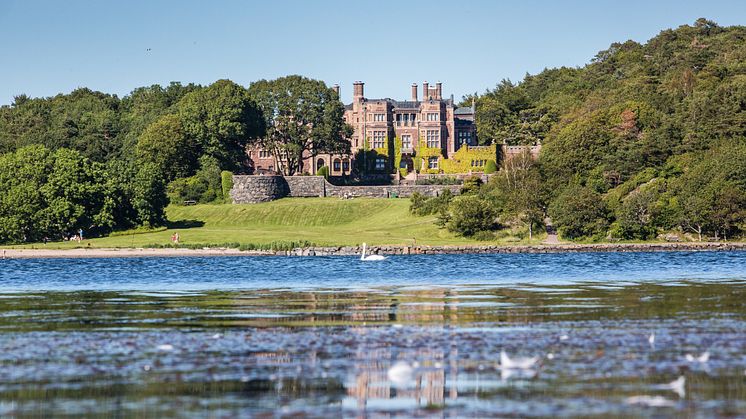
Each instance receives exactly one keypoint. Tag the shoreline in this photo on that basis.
(383, 250)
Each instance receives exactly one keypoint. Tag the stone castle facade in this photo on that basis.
(419, 135)
(432, 120)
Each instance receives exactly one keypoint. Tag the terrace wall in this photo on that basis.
(252, 189)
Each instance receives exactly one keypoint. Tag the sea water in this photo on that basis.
(321, 336)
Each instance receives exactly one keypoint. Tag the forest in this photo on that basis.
(645, 139)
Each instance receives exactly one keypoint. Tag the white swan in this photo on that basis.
(517, 363)
(370, 257)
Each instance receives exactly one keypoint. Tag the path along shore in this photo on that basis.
(384, 250)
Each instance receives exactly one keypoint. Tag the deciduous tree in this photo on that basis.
(301, 115)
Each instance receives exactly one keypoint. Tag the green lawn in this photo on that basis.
(322, 221)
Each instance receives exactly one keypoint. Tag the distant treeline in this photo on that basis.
(644, 139)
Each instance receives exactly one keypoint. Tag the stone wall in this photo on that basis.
(388, 191)
(253, 189)
(306, 186)
(489, 249)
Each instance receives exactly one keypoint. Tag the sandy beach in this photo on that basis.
(355, 250)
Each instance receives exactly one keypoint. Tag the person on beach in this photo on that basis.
(176, 238)
(80, 233)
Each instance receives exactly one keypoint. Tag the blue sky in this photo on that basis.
(50, 47)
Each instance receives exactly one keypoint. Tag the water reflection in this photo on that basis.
(329, 352)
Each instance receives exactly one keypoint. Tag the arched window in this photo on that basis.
(319, 164)
(337, 165)
(346, 165)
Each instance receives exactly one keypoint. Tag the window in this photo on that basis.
(406, 141)
(337, 165)
(264, 154)
(345, 165)
(432, 162)
(478, 163)
(379, 117)
(433, 138)
(379, 139)
(398, 119)
(319, 164)
(432, 116)
(380, 163)
(464, 138)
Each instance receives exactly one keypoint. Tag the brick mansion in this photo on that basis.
(420, 135)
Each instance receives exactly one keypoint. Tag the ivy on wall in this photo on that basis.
(397, 157)
(462, 160)
(423, 153)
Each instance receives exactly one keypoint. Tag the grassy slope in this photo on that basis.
(323, 221)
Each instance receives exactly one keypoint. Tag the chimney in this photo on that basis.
(439, 90)
(357, 91)
(336, 89)
(414, 92)
(425, 91)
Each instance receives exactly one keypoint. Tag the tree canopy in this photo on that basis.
(301, 115)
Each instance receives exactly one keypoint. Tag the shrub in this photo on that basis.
(490, 167)
(323, 171)
(579, 212)
(204, 187)
(469, 214)
(472, 185)
(226, 181)
(439, 180)
(422, 205)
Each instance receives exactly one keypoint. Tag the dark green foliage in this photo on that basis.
(579, 212)
(439, 180)
(204, 187)
(636, 216)
(84, 120)
(470, 214)
(145, 105)
(636, 113)
(221, 120)
(518, 191)
(472, 184)
(422, 205)
(165, 144)
(45, 194)
(710, 197)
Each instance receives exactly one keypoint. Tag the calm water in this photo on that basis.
(410, 336)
